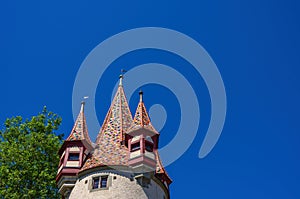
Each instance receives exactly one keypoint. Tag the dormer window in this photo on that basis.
(135, 146)
(73, 156)
(149, 146)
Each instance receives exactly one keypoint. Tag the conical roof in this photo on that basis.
(109, 149)
(80, 130)
(141, 118)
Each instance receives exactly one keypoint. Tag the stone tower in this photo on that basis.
(123, 163)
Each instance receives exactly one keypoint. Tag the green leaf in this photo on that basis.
(28, 156)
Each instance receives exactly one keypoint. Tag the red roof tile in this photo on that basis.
(80, 130)
(109, 149)
(141, 118)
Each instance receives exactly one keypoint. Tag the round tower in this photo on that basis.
(123, 163)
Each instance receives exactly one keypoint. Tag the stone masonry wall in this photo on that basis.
(120, 186)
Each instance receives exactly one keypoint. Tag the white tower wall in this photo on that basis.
(120, 185)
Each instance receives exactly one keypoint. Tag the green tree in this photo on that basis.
(28, 156)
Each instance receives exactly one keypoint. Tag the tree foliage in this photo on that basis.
(28, 156)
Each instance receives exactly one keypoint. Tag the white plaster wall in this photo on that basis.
(135, 154)
(74, 149)
(121, 188)
(135, 138)
(72, 163)
(150, 155)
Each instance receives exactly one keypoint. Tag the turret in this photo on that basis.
(73, 154)
(141, 139)
(123, 162)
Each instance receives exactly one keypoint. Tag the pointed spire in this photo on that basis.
(109, 149)
(79, 130)
(118, 117)
(141, 118)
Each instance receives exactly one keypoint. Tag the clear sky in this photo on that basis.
(255, 45)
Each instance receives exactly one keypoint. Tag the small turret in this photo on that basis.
(73, 154)
(141, 139)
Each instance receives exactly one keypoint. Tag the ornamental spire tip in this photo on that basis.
(141, 95)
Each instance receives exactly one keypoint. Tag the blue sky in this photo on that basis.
(255, 45)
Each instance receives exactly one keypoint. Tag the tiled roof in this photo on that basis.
(109, 149)
(79, 130)
(160, 168)
(141, 118)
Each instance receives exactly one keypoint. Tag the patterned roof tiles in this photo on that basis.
(109, 149)
(141, 118)
(80, 130)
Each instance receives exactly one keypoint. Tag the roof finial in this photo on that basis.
(82, 106)
(121, 80)
(83, 103)
(122, 76)
(141, 95)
